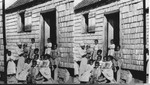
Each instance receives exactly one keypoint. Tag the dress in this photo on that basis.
(111, 49)
(96, 48)
(48, 49)
(20, 66)
(77, 58)
(45, 70)
(25, 71)
(32, 47)
(11, 68)
(83, 66)
(86, 75)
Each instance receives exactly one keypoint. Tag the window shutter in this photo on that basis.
(19, 23)
(28, 22)
(91, 27)
(83, 25)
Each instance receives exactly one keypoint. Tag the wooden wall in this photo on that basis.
(64, 13)
(131, 30)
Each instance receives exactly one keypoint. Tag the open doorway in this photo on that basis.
(113, 28)
(49, 29)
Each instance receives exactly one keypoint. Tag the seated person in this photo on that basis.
(31, 78)
(107, 70)
(23, 74)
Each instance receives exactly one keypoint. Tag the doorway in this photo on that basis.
(113, 28)
(49, 28)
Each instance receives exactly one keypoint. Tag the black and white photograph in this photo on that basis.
(74, 42)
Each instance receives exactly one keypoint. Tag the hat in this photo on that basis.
(81, 44)
(19, 43)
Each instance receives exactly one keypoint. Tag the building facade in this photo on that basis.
(121, 20)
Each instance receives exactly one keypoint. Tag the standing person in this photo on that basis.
(77, 60)
(48, 47)
(95, 48)
(117, 63)
(56, 55)
(11, 67)
(111, 48)
(32, 47)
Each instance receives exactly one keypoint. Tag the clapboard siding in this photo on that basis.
(131, 30)
(64, 28)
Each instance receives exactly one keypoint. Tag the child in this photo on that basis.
(95, 48)
(111, 48)
(32, 47)
(99, 57)
(31, 78)
(36, 55)
(48, 46)
(117, 63)
(11, 67)
(96, 72)
(45, 70)
(107, 70)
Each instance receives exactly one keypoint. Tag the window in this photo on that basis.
(21, 22)
(91, 28)
(88, 23)
(24, 22)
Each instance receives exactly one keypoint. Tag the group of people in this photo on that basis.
(30, 67)
(93, 68)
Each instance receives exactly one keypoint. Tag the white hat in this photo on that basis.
(81, 44)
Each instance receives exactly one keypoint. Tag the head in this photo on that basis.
(87, 47)
(147, 51)
(9, 53)
(112, 41)
(34, 63)
(96, 64)
(55, 46)
(25, 55)
(19, 45)
(117, 47)
(90, 62)
(48, 40)
(99, 52)
(36, 57)
(109, 58)
(32, 40)
(99, 58)
(104, 58)
(96, 41)
(28, 60)
(36, 51)
(46, 56)
(24, 45)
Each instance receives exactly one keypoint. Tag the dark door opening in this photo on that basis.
(49, 27)
(113, 30)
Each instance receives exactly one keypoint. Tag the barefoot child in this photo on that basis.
(111, 48)
(32, 47)
(95, 48)
(11, 67)
(48, 47)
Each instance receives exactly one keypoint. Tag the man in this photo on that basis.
(77, 60)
